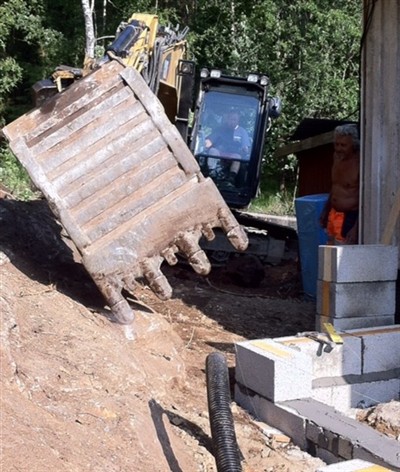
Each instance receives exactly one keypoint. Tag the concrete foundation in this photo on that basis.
(306, 385)
(307, 388)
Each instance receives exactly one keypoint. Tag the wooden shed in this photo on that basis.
(312, 144)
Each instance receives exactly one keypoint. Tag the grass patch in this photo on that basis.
(14, 177)
(274, 201)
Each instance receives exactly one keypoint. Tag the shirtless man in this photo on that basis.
(340, 215)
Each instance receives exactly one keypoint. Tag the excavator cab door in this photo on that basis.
(228, 135)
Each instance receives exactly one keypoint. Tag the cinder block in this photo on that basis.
(357, 263)
(273, 370)
(360, 452)
(353, 465)
(279, 416)
(326, 456)
(358, 395)
(313, 432)
(343, 359)
(346, 300)
(348, 324)
(381, 348)
(345, 448)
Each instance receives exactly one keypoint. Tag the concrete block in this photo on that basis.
(378, 448)
(358, 395)
(357, 263)
(313, 432)
(293, 417)
(353, 465)
(347, 324)
(273, 370)
(345, 448)
(381, 348)
(274, 414)
(327, 456)
(344, 359)
(345, 300)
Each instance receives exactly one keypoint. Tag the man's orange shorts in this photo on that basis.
(335, 225)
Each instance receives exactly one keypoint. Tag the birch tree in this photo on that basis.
(90, 43)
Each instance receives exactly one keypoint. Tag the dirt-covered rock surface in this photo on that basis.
(384, 417)
(82, 393)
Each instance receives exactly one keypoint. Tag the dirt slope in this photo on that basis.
(81, 393)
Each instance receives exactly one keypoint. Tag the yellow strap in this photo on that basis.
(265, 346)
(333, 334)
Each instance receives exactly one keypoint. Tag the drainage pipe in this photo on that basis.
(226, 451)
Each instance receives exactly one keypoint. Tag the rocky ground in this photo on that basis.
(82, 393)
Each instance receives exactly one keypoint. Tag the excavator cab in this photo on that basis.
(231, 117)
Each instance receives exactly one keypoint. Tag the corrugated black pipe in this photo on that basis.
(226, 451)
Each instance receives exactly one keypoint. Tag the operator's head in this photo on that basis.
(232, 120)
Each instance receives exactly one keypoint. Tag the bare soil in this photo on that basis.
(82, 393)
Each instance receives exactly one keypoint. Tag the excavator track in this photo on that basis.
(122, 182)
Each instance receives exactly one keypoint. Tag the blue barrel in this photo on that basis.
(311, 235)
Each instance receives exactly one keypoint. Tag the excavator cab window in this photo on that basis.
(226, 140)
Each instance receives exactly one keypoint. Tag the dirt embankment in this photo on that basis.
(80, 392)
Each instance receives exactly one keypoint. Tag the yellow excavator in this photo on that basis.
(111, 148)
(160, 55)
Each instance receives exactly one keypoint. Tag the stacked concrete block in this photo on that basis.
(306, 386)
(362, 371)
(345, 394)
(324, 432)
(341, 360)
(273, 370)
(380, 348)
(356, 286)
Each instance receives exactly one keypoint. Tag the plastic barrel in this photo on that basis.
(310, 236)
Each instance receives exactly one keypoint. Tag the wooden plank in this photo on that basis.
(303, 145)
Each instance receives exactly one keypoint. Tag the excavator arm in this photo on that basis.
(157, 52)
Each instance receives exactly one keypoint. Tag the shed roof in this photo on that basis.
(310, 133)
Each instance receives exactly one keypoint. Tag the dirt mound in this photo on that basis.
(80, 392)
(385, 418)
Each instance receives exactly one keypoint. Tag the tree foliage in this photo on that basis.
(309, 48)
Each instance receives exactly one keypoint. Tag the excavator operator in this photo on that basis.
(230, 144)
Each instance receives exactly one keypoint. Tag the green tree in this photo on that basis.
(309, 49)
(26, 46)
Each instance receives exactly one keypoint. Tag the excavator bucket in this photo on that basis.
(121, 181)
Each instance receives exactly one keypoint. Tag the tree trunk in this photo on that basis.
(88, 7)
